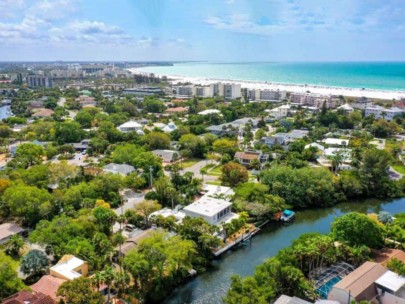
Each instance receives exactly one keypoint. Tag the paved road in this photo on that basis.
(195, 169)
(131, 200)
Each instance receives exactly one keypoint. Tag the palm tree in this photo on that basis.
(14, 245)
(108, 278)
(203, 171)
(337, 160)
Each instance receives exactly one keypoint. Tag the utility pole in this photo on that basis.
(150, 176)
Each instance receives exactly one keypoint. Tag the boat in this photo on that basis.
(287, 216)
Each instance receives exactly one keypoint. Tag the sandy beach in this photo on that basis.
(295, 88)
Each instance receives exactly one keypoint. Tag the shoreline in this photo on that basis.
(289, 87)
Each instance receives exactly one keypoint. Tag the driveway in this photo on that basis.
(131, 199)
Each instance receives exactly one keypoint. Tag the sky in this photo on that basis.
(202, 30)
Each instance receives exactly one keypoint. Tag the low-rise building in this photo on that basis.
(7, 230)
(48, 285)
(167, 156)
(346, 108)
(122, 169)
(130, 126)
(213, 210)
(209, 112)
(81, 146)
(28, 297)
(380, 112)
(279, 112)
(69, 267)
(176, 110)
(142, 92)
(370, 282)
(336, 142)
(223, 192)
(85, 100)
(43, 112)
(169, 128)
(249, 156)
(233, 127)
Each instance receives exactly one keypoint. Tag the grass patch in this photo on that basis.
(190, 162)
(216, 171)
(399, 168)
(215, 183)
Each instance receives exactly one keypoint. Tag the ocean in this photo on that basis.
(388, 76)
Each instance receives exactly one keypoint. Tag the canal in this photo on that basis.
(210, 287)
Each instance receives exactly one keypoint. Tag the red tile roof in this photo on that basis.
(48, 285)
(176, 110)
(387, 254)
(32, 297)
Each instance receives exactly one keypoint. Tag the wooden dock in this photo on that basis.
(240, 240)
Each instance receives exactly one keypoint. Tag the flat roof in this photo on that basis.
(217, 190)
(207, 206)
(336, 141)
(67, 267)
(391, 281)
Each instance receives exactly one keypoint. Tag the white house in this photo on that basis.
(130, 126)
(336, 142)
(69, 268)
(170, 127)
(316, 145)
(213, 210)
(218, 191)
(381, 112)
(209, 111)
(279, 112)
(346, 107)
(122, 169)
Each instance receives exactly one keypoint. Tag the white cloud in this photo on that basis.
(8, 8)
(53, 9)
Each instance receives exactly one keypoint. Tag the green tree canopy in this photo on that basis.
(356, 229)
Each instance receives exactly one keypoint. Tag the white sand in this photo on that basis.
(295, 88)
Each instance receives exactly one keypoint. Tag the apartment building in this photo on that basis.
(39, 81)
(381, 112)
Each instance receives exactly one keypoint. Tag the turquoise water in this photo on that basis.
(376, 75)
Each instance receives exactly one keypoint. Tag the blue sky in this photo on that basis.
(213, 30)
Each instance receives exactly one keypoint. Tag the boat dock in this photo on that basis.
(240, 240)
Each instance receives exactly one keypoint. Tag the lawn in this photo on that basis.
(215, 171)
(399, 168)
(190, 162)
(215, 183)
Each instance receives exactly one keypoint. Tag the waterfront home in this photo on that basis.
(249, 156)
(131, 126)
(122, 169)
(167, 156)
(223, 192)
(69, 267)
(214, 210)
(7, 230)
(342, 154)
(284, 299)
(133, 241)
(370, 282)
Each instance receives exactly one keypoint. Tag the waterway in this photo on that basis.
(210, 287)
